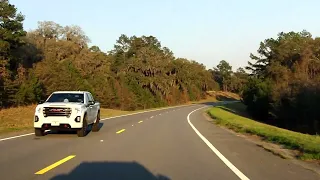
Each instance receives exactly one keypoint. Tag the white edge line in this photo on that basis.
(146, 111)
(13, 137)
(216, 151)
(28, 134)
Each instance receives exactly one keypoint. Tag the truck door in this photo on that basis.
(94, 108)
(89, 110)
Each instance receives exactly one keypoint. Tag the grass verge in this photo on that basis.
(20, 118)
(228, 116)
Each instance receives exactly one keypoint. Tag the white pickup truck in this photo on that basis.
(73, 110)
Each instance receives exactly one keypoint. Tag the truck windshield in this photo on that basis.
(66, 97)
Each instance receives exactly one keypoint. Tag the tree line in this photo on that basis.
(137, 73)
(284, 84)
(282, 88)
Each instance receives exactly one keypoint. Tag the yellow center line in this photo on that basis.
(118, 132)
(140, 121)
(42, 171)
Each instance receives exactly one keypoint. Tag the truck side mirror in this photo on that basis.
(41, 102)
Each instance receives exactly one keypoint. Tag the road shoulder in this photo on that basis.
(272, 148)
(246, 155)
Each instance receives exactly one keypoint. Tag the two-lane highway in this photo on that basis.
(174, 143)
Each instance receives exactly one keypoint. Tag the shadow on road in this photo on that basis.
(109, 171)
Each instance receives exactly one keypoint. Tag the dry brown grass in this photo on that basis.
(15, 119)
(223, 94)
(112, 112)
(208, 99)
(21, 118)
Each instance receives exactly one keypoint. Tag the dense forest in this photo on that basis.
(282, 87)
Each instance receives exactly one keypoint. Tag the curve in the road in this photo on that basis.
(164, 144)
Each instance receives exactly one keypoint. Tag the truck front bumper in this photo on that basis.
(72, 122)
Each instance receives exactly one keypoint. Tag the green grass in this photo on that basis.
(308, 145)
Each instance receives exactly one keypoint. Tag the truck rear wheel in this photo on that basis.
(95, 127)
(38, 132)
(83, 131)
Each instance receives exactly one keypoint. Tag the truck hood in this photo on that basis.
(60, 104)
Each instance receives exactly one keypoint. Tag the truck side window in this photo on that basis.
(91, 97)
(88, 97)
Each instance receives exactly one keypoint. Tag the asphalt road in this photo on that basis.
(171, 144)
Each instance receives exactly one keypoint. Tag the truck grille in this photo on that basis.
(56, 111)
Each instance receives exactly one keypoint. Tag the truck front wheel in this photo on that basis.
(83, 131)
(95, 127)
(38, 132)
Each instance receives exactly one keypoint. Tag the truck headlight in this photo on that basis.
(39, 109)
(36, 119)
(77, 119)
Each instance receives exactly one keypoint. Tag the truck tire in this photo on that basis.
(38, 132)
(83, 131)
(95, 127)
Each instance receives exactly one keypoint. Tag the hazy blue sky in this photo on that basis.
(203, 30)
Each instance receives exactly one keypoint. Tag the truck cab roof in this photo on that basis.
(71, 92)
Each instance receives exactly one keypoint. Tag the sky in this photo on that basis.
(206, 31)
